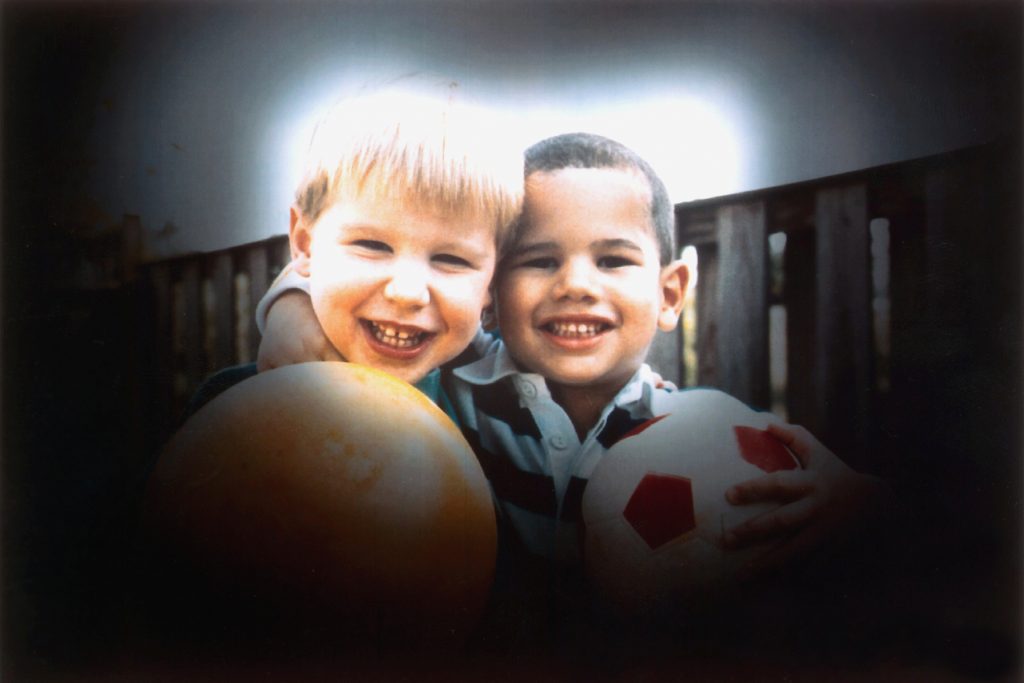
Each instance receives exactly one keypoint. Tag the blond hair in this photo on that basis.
(403, 146)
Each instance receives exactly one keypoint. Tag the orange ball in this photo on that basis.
(330, 491)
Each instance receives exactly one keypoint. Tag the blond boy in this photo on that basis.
(395, 229)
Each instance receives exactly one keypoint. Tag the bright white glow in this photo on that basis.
(472, 120)
(689, 259)
(295, 150)
(691, 143)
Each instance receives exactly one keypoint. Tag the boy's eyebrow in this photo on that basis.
(618, 243)
(611, 243)
(464, 248)
(531, 248)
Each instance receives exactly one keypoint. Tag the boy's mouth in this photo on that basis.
(398, 337)
(575, 330)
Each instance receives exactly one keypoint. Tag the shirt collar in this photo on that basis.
(499, 364)
(431, 385)
(490, 368)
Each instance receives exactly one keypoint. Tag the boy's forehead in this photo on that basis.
(390, 204)
(583, 182)
(586, 199)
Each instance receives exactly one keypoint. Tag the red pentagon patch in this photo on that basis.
(762, 450)
(661, 508)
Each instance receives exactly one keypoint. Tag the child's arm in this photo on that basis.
(291, 331)
(825, 499)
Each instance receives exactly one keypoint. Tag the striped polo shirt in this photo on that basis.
(529, 449)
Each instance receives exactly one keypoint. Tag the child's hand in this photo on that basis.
(293, 334)
(662, 383)
(823, 499)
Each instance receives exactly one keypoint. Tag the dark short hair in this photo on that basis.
(586, 150)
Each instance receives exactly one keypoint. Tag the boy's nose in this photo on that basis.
(407, 287)
(576, 281)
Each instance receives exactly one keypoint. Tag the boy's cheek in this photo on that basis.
(468, 299)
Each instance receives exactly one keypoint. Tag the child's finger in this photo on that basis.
(785, 520)
(796, 438)
(783, 486)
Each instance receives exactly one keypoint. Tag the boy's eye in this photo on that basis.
(452, 260)
(372, 245)
(544, 262)
(615, 262)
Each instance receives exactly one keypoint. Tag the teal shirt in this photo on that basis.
(430, 386)
(433, 389)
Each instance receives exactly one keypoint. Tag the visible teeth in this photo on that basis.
(576, 329)
(392, 336)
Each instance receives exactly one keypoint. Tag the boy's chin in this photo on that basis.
(580, 379)
(412, 378)
(571, 379)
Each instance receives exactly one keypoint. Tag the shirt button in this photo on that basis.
(528, 389)
(559, 441)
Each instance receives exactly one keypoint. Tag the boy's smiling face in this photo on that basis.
(582, 292)
(396, 287)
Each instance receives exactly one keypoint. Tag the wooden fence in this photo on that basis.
(203, 317)
(850, 304)
(863, 305)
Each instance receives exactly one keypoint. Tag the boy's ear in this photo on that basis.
(489, 314)
(488, 318)
(674, 278)
(299, 238)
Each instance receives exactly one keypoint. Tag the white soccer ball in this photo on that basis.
(655, 511)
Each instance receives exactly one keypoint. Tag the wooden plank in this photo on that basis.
(707, 325)
(908, 308)
(191, 317)
(256, 265)
(223, 289)
(695, 227)
(162, 382)
(798, 298)
(843, 338)
(900, 415)
(741, 305)
(792, 210)
(665, 355)
(280, 254)
(131, 247)
(973, 257)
